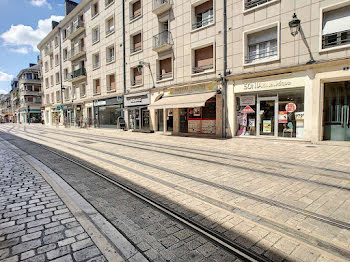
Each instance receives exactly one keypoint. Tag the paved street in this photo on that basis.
(289, 201)
(35, 225)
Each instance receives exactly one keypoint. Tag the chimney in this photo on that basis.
(31, 64)
(54, 24)
(70, 5)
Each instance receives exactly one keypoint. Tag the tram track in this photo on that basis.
(319, 243)
(237, 250)
(215, 162)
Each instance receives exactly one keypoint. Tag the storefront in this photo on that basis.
(33, 116)
(137, 113)
(190, 110)
(273, 106)
(56, 115)
(109, 112)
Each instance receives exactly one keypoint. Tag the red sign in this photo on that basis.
(282, 117)
(248, 110)
(291, 107)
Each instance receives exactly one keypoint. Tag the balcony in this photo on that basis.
(204, 22)
(161, 6)
(76, 29)
(76, 52)
(262, 54)
(77, 75)
(336, 39)
(31, 93)
(162, 42)
(202, 69)
(248, 4)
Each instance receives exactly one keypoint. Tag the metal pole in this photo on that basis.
(60, 56)
(224, 82)
(124, 42)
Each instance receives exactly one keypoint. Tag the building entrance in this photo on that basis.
(337, 111)
(267, 112)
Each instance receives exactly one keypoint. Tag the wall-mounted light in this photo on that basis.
(294, 25)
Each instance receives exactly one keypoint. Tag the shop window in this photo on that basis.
(97, 86)
(110, 83)
(262, 45)
(203, 15)
(336, 27)
(165, 69)
(136, 43)
(203, 59)
(135, 10)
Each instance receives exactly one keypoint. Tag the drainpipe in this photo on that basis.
(124, 58)
(224, 82)
(61, 79)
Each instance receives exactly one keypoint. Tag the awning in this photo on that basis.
(183, 101)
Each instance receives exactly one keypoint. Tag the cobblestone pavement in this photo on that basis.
(237, 187)
(35, 225)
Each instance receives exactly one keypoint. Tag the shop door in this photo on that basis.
(267, 112)
(183, 120)
(160, 120)
(145, 118)
(337, 111)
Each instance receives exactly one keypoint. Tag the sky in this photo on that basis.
(23, 24)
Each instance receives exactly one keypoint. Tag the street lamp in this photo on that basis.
(140, 66)
(294, 25)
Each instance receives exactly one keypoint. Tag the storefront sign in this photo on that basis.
(248, 110)
(267, 126)
(247, 100)
(282, 117)
(190, 89)
(269, 83)
(100, 103)
(291, 107)
(137, 100)
(299, 116)
(111, 101)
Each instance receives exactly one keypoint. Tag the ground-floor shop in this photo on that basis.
(109, 113)
(137, 114)
(31, 116)
(191, 110)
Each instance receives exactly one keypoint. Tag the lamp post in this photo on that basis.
(140, 66)
(295, 28)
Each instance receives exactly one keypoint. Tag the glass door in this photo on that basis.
(337, 111)
(267, 112)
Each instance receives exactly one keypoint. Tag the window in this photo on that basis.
(136, 77)
(97, 86)
(108, 2)
(64, 33)
(96, 61)
(203, 59)
(65, 54)
(52, 98)
(29, 76)
(110, 56)
(136, 43)
(51, 80)
(74, 92)
(65, 74)
(47, 82)
(109, 26)
(36, 76)
(135, 9)
(51, 61)
(82, 90)
(165, 69)
(336, 27)
(56, 60)
(94, 9)
(46, 66)
(66, 94)
(95, 35)
(262, 45)
(110, 82)
(57, 78)
(47, 99)
(58, 97)
(56, 41)
(203, 15)
(254, 3)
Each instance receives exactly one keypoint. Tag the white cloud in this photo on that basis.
(24, 36)
(20, 50)
(40, 3)
(2, 92)
(5, 77)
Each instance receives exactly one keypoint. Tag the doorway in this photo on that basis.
(266, 115)
(336, 113)
(160, 120)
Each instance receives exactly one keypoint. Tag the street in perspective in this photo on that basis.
(175, 131)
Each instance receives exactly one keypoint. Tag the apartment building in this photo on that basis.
(5, 108)
(279, 68)
(26, 95)
(14, 100)
(289, 69)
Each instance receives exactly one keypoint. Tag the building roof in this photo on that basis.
(33, 69)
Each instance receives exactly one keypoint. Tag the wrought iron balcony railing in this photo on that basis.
(254, 3)
(163, 38)
(336, 39)
(204, 22)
